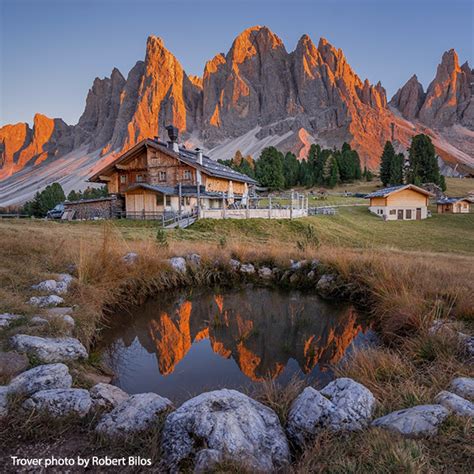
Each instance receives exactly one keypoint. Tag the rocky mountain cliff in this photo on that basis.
(256, 95)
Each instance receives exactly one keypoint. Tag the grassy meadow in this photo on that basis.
(412, 273)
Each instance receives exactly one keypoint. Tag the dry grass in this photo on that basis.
(404, 290)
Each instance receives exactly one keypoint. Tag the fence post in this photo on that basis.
(291, 205)
(270, 207)
(248, 208)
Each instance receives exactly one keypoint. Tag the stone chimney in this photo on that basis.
(173, 138)
(199, 155)
(199, 161)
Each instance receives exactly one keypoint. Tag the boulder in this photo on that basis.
(455, 403)
(178, 264)
(45, 301)
(297, 264)
(206, 460)
(60, 402)
(106, 396)
(130, 258)
(3, 401)
(309, 413)
(194, 259)
(229, 422)
(46, 285)
(47, 318)
(467, 342)
(311, 274)
(464, 387)
(48, 349)
(43, 377)
(235, 264)
(354, 404)
(247, 268)
(6, 319)
(415, 422)
(65, 278)
(137, 413)
(326, 285)
(265, 273)
(12, 363)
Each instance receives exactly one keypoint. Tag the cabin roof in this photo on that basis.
(208, 166)
(395, 189)
(451, 200)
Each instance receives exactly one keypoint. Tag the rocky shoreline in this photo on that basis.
(214, 426)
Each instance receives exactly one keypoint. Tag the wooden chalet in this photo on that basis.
(449, 205)
(404, 202)
(155, 178)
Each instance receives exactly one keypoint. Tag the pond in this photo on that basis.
(182, 344)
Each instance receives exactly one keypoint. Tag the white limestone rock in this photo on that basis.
(247, 268)
(130, 258)
(46, 301)
(354, 404)
(227, 421)
(7, 318)
(3, 402)
(43, 377)
(234, 264)
(206, 460)
(265, 273)
(60, 402)
(297, 264)
(309, 413)
(137, 413)
(194, 259)
(418, 421)
(464, 387)
(178, 264)
(326, 285)
(46, 285)
(107, 397)
(48, 349)
(455, 403)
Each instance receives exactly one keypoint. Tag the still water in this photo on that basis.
(185, 343)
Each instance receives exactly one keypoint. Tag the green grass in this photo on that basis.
(351, 227)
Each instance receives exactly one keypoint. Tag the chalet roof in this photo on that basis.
(186, 191)
(395, 189)
(208, 166)
(451, 200)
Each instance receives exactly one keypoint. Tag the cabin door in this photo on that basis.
(418, 214)
(400, 214)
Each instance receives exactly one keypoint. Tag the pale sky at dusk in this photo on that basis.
(51, 50)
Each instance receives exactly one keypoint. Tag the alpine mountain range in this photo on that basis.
(256, 95)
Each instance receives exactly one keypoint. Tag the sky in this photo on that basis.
(51, 50)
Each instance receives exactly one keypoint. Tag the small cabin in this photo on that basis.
(453, 205)
(406, 202)
(155, 178)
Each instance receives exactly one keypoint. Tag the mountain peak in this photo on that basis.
(254, 40)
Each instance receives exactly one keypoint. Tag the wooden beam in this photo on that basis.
(105, 178)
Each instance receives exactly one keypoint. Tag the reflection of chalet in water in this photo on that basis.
(155, 177)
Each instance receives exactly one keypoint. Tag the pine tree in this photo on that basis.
(424, 166)
(396, 169)
(291, 168)
(269, 169)
(385, 163)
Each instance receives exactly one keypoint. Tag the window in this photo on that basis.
(162, 175)
(408, 213)
(380, 211)
(139, 178)
(123, 179)
(168, 200)
(393, 212)
(188, 175)
(159, 199)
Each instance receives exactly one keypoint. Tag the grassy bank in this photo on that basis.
(410, 272)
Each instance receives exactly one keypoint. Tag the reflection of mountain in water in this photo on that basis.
(260, 329)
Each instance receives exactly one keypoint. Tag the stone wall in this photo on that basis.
(87, 209)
